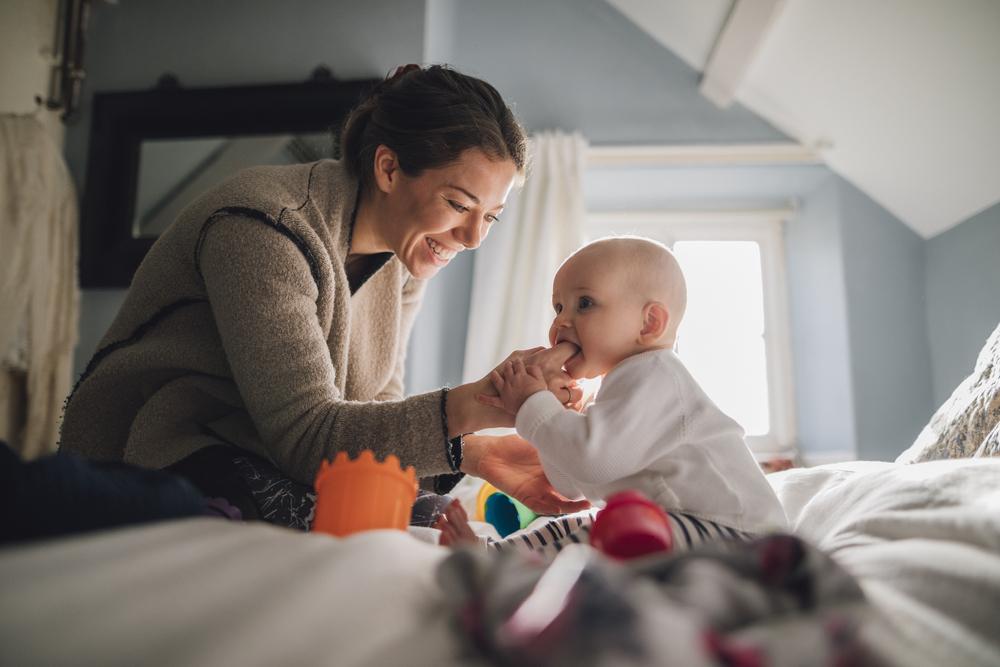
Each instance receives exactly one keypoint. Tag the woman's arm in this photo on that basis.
(263, 298)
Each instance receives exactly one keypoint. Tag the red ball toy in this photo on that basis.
(631, 525)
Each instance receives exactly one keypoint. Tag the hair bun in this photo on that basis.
(390, 80)
(428, 120)
(400, 71)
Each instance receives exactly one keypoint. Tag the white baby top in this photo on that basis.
(653, 429)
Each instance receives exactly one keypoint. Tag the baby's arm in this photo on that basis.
(618, 436)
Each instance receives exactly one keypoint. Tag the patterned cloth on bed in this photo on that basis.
(967, 424)
(775, 601)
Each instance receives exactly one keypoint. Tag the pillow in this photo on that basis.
(960, 427)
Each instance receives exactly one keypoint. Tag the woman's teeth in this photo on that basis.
(440, 251)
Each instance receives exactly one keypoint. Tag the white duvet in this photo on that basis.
(923, 540)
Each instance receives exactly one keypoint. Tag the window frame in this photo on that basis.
(765, 227)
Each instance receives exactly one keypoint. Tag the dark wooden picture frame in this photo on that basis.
(109, 253)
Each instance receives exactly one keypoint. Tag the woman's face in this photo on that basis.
(430, 218)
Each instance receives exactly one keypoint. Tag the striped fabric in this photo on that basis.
(549, 538)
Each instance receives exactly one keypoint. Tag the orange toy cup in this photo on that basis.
(363, 494)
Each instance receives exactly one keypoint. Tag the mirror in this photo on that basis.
(173, 172)
(152, 152)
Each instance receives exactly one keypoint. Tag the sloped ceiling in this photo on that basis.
(900, 97)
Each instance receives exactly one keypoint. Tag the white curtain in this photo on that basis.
(511, 306)
(39, 299)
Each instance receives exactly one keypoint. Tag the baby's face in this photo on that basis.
(595, 311)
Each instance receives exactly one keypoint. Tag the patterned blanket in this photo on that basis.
(775, 601)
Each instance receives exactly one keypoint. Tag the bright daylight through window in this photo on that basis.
(722, 338)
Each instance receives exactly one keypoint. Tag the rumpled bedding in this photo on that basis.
(921, 542)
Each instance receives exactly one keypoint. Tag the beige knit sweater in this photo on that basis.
(240, 327)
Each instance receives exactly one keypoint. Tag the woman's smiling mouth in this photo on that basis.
(439, 251)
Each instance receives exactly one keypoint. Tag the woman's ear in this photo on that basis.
(655, 318)
(386, 168)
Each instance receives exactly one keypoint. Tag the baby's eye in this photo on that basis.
(458, 207)
(585, 303)
(558, 308)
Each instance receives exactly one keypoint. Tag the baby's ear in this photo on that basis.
(655, 318)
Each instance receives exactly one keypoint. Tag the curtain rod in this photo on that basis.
(785, 153)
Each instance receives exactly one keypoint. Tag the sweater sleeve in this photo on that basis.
(413, 294)
(263, 299)
(622, 433)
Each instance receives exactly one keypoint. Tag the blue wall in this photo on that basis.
(817, 295)
(886, 318)
(862, 360)
(963, 296)
(581, 65)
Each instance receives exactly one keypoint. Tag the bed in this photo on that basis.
(923, 541)
(920, 537)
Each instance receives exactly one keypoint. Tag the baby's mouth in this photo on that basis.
(576, 351)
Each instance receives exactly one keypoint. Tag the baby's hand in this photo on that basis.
(515, 383)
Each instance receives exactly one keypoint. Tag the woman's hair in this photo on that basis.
(428, 117)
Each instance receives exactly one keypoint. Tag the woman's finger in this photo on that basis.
(564, 506)
(551, 359)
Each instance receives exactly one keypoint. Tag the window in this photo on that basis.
(734, 338)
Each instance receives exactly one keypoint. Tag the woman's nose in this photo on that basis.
(471, 234)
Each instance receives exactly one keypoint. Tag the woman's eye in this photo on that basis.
(458, 207)
(492, 218)
(585, 303)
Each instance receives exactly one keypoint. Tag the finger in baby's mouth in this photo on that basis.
(560, 341)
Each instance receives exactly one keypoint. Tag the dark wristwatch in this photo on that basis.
(454, 452)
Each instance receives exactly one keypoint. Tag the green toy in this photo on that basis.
(507, 514)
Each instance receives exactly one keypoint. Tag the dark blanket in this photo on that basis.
(63, 494)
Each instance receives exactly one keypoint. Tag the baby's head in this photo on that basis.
(616, 297)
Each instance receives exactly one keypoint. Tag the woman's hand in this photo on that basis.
(468, 412)
(550, 361)
(511, 464)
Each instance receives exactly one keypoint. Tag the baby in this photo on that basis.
(651, 427)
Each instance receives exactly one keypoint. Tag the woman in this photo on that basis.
(266, 329)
